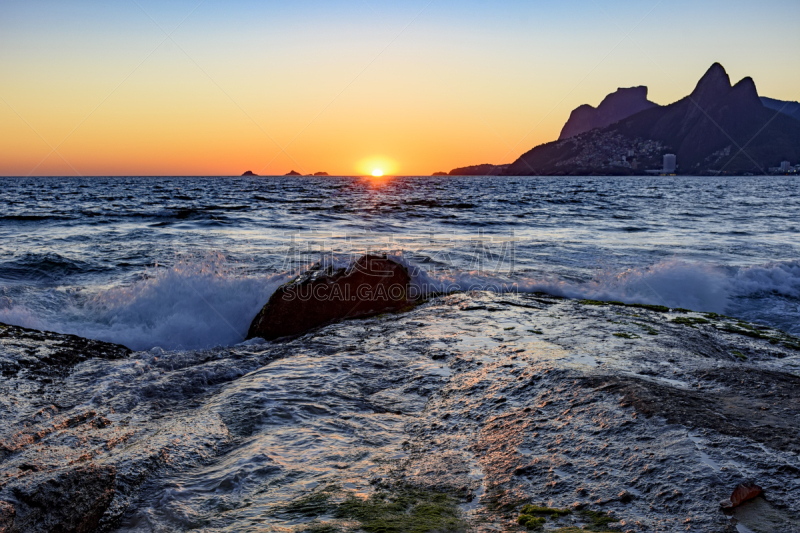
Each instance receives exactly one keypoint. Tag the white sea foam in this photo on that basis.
(189, 306)
(208, 303)
(696, 286)
(781, 278)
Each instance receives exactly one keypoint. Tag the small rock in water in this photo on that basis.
(372, 285)
(742, 493)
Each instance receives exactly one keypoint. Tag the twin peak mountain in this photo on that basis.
(719, 128)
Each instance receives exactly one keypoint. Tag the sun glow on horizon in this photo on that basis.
(466, 104)
(378, 166)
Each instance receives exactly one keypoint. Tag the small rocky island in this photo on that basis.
(502, 412)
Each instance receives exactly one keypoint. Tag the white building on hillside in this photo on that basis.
(670, 164)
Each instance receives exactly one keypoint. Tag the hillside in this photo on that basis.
(718, 128)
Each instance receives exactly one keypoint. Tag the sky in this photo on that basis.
(206, 87)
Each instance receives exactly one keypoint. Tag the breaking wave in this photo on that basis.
(208, 302)
(191, 305)
(676, 284)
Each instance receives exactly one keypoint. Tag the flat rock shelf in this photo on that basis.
(474, 411)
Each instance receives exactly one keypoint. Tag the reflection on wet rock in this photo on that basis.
(471, 411)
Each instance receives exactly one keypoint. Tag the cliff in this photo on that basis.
(615, 107)
(718, 128)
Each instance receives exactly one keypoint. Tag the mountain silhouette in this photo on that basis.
(719, 127)
(614, 107)
(791, 109)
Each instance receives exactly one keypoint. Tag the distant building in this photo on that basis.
(786, 166)
(670, 164)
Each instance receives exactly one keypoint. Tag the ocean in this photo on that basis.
(515, 385)
(186, 263)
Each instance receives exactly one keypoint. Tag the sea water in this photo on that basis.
(186, 263)
(224, 433)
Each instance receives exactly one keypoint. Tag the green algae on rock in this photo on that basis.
(405, 511)
(531, 522)
(689, 321)
(312, 505)
(648, 329)
(649, 307)
(598, 520)
(533, 516)
(740, 355)
(544, 511)
(401, 510)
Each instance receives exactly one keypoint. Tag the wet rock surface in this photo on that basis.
(71, 501)
(7, 513)
(370, 286)
(763, 406)
(630, 418)
(42, 355)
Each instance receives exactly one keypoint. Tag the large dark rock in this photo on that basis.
(614, 107)
(293, 173)
(372, 285)
(70, 502)
(249, 173)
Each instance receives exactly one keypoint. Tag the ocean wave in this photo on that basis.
(209, 302)
(43, 268)
(780, 277)
(191, 305)
(676, 284)
(33, 218)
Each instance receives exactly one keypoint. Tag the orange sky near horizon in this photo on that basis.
(406, 88)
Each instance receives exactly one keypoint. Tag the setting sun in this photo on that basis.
(376, 166)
